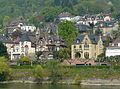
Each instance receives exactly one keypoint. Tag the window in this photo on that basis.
(78, 41)
(50, 41)
(86, 46)
(77, 55)
(80, 46)
(86, 55)
(22, 43)
(22, 49)
(115, 44)
(74, 46)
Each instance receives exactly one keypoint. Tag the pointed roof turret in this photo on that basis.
(25, 37)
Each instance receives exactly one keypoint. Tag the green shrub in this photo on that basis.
(5, 71)
(25, 61)
(39, 73)
(22, 67)
(77, 79)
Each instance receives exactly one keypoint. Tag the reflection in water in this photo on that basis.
(35, 86)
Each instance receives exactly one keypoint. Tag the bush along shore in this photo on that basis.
(52, 72)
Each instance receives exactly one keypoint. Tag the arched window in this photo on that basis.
(80, 46)
(86, 46)
(86, 55)
(77, 55)
(26, 48)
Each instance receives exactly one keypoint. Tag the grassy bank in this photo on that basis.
(70, 72)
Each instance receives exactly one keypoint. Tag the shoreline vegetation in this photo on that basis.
(68, 75)
(52, 72)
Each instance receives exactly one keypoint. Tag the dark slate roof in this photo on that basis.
(80, 38)
(5, 40)
(105, 24)
(25, 37)
(83, 28)
(92, 37)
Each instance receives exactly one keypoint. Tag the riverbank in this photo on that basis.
(88, 82)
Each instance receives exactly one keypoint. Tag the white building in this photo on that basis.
(113, 49)
(22, 48)
(27, 27)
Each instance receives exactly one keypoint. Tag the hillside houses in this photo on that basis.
(47, 44)
(94, 31)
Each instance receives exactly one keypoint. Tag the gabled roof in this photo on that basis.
(94, 39)
(25, 37)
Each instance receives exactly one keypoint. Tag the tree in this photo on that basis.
(5, 71)
(39, 73)
(3, 50)
(53, 67)
(61, 54)
(6, 20)
(68, 31)
(36, 20)
(50, 13)
(25, 60)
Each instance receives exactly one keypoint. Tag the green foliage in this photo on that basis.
(50, 13)
(61, 54)
(53, 67)
(6, 20)
(36, 20)
(77, 79)
(25, 61)
(27, 8)
(52, 63)
(101, 55)
(3, 50)
(39, 73)
(68, 31)
(22, 67)
(5, 71)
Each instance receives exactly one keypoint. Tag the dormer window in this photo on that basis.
(86, 46)
(78, 41)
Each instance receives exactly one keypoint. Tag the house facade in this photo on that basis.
(87, 47)
(23, 48)
(113, 49)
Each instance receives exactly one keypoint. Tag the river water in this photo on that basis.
(36, 86)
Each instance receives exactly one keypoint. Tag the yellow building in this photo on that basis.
(87, 47)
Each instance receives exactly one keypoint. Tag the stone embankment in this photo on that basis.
(100, 82)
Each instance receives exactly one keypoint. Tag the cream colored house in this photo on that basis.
(87, 47)
(22, 48)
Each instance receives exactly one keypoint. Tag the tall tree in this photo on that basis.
(3, 50)
(68, 31)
